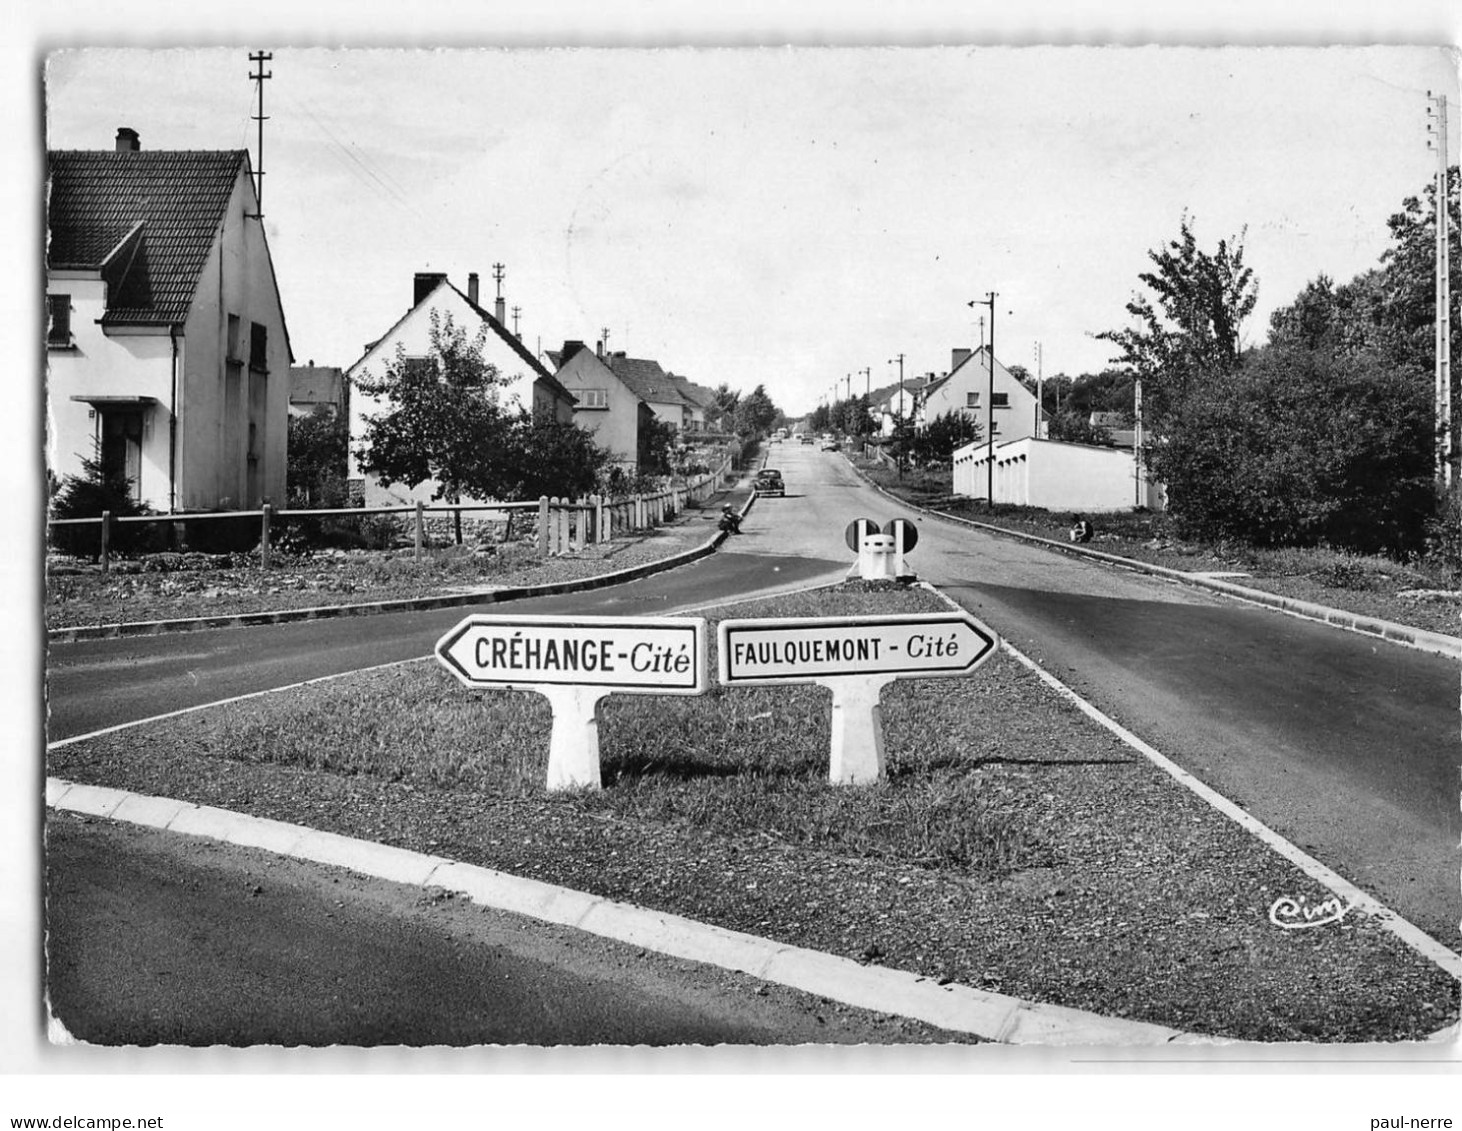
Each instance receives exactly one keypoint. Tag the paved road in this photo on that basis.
(159, 938)
(1344, 744)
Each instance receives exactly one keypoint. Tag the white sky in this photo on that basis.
(785, 216)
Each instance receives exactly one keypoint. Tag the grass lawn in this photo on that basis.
(1420, 594)
(1015, 845)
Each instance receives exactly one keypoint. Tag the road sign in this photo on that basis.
(857, 530)
(791, 650)
(904, 532)
(854, 657)
(660, 655)
(575, 662)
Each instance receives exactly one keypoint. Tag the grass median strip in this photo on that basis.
(1016, 846)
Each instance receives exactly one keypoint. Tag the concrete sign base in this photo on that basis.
(857, 729)
(573, 747)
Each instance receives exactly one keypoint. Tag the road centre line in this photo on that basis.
(63, 742)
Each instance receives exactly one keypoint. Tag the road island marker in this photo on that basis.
(575, 662)
(854, 657)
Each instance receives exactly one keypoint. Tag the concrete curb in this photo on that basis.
(961, 1009)
(1436, 642)
(407, 605)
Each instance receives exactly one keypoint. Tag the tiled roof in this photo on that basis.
(645, 379)
(171, 201)
(540, 373)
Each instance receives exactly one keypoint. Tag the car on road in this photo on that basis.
(829, 445)
(806, 439)
(769, 482)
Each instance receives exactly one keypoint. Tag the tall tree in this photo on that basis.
(755, 413)
(441, 420)
(1189, 326)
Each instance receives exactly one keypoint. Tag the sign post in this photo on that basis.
(855, 658)
(575, 662)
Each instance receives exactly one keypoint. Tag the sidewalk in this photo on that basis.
(1436, 642)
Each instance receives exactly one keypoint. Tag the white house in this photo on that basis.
(166, 348)
(1055, 475)
(1008, 406)
(527, 383)
(607, 405)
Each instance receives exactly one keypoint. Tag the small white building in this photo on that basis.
(1056, 476)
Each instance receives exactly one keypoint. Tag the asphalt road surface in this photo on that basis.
(1345, 744)
(158, 938)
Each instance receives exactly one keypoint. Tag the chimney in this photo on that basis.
(426, 282)
(958, 357)
(500, 310)
(599, 348)
(472, 288)
(127, 140)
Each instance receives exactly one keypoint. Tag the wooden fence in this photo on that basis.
(563, 525)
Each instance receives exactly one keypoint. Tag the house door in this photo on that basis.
(122, 447)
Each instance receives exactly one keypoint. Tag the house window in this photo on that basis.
(234, 345)
(593, 398)
(999, 400)
(420, 368)
(972, 400)
(258, 347)
(58, 328)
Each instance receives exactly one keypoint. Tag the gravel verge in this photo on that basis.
(1121, 893)
(86, 597)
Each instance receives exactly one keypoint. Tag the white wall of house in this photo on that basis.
(96, 365)
(413, 334)
(1054, 475)
(219, 464)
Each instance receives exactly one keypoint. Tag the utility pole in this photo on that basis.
(1038, 391)
(259, 75)
(1438, 130)
(498, 271)
(517, 310)
(989, 301)
(604, 337)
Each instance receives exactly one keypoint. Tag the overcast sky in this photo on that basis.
(785, 216)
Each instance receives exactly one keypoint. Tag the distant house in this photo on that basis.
(652, 385)
(607, 404)
(528, 383)
(698, 399)
(166, 345)
(891, 403)
(1012, 408)
(318, 386)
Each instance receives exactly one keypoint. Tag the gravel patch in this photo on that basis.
(78, 595)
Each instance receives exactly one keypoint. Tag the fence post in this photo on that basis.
(599, 515)
(581, 520)
(420, 520)
(106, 541)
(264, 536)
(543, 526)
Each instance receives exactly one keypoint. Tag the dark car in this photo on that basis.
(769, 482)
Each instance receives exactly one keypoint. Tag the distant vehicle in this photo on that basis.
(769, 482)
(829, 445)
(806, 437)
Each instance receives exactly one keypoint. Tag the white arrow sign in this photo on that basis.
(576, 661)
(662, 655)
(802, 651)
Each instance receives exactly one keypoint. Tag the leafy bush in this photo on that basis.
(1302, 448)
(88, 495)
